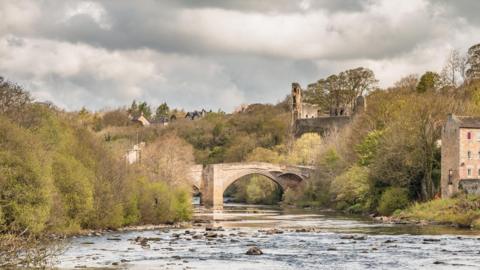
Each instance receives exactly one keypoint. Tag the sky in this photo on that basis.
(218, 54)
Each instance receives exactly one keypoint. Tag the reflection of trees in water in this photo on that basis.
(255, 189)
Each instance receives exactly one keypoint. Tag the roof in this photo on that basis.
(142, 120)
(468, 121)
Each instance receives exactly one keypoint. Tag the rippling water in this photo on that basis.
(329, 244)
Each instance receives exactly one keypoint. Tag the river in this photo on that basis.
(305, 239)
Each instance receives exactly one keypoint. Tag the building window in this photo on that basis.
(478, 136)
(450, 175)
(469, 135)
(469, 172)
(469, 155)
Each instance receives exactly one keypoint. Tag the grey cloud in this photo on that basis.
(219, 53)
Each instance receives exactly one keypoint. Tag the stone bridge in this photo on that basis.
(212, 180)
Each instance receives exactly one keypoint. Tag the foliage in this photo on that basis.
(352, 188)
(158, 203)
(56, 175)
(115, 118)
(428, 82)
(367, 149)
(392, 199)
(338, 92)
(162, 111)
(167, 159)
(25, 188)
(12, 99)
(305, 149)
(265, 155)
(473, 60)
(219, 138)
(141, 108)
(255, 189)
(461, 210)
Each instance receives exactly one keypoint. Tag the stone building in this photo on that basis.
(460, 155)
(300, 109)
(141, 120)
(134, 155)
(308, 117)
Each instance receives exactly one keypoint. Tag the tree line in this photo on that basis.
(59, 176)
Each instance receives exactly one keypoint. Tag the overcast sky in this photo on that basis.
(214, 54)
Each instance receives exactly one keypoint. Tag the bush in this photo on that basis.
(392, 199)
(160, 203)
(351, 189)
(462, 210)
(116, 118)
(23, 180)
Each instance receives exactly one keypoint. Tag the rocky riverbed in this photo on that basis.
(255, 237)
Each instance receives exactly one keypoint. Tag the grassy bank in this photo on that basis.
(460, 211)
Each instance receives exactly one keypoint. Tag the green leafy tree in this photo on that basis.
(367, 149)
(428, 82)
(145, 109)
(162, 111)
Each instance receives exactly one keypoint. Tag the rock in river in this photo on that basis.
(254, 251)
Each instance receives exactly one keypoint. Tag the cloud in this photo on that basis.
(77, 75)
(218, 53)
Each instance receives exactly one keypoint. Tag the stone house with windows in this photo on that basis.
(460, 155)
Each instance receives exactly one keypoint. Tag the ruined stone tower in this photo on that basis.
(360, 105)
(296, 102)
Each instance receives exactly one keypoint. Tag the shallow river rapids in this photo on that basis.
(303, 240)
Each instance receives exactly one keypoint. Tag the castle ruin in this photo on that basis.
(309, 118)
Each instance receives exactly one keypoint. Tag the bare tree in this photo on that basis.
(454, 69)
(13, 98)
(408, 82)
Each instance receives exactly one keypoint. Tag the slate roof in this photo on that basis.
(468, 121)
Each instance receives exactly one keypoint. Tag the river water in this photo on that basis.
(305, 239)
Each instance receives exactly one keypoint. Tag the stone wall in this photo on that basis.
(196, 175)
(450, 158)
(470, 186)
(320, 125)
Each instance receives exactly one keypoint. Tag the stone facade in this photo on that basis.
(320, 125)
(134, 155)
(310, 111)
(460, 155)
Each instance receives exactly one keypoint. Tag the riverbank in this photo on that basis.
(461, 211)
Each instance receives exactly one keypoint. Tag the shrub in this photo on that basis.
(351, 188)
(116, 118)
(72, 181)
(392, 199)
(24, 185)
(461, 210)
(160, 203)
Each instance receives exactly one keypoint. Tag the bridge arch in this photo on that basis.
(234, 178)
(214, 179)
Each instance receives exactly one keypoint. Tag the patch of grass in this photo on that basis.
(462, 211)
